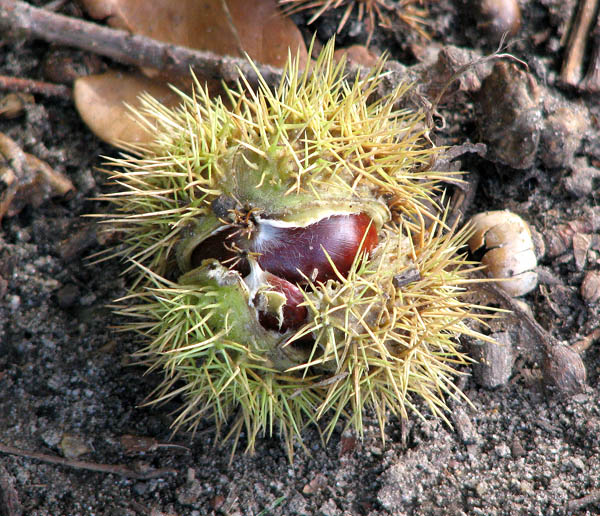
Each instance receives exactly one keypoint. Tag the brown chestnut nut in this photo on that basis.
(293, 252)
(284, 313)
(221, 246)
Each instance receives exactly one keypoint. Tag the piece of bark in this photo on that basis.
(494, 361)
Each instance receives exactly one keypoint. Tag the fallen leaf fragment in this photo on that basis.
(357, 54)
(318, 482)
(231, 27)
(102, 104)
(590, 287)
(27, 179)
(226, 27)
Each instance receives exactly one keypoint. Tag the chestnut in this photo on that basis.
(297, 253)
(288, 315)
(221, 246)
(293, 252)
(294, 184)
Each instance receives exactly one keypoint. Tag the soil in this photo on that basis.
(68, 387)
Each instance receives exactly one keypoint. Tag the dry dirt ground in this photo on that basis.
(66, 381)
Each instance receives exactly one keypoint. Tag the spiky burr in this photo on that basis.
(291, 255)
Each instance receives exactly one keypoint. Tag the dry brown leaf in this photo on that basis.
(101, 101)
(357, 54)
(257, 26)
(230, 27)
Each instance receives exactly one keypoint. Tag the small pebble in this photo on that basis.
(577, 463)
(561, 136)
(581, 245)
(590, 287)
(88, 300)
(189, 493)
(140, 488)
(51, 438)
(329, 508)
(376, 451)
(68, 295)
(516, 448)
(526, 487)
(481, 489)
(502, 450)
(464, 427)
(72, 446)
(14, 303)
(581, 181)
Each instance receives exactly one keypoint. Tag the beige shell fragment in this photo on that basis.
(101, 101)
(510, 249)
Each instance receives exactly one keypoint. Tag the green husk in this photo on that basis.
(314, 147)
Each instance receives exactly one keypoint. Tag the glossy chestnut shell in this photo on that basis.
(293, 314)
(298, 252)
(291, 256)
(295, 253)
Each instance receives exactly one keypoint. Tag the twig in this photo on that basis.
(9, 498)
(580, 503)
(562, 367)
(20, 18)
(116, 469)
(591, 81)
(55, 5)
(547, 340)
(30, 86)
(581, 345)
(570, 72)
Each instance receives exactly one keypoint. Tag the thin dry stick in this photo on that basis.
(591, 81)
(580, 503)
(571, 68)
(116, 469)
(20, 18)
(562, 367)
(30, 86)
(581, 345)
(8, 495)
(547, 340)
